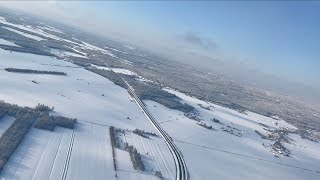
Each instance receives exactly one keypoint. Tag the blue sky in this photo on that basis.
(281, 38)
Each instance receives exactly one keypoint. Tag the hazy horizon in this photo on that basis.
(264, 43)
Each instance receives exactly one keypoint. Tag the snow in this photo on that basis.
(96, 48)
(25, 34)
(5, 42)
(73, 54)
(129, 47)
(115, 50)
(85, 152)
(42, 154)
(40, 30)
(123, 71)
(5, 123)
(97, 159)
(78, 95)
(50, 28)
(229, 156)
(126, 62)
(116, 70)
(82, 153)
(144, 79)
(155, 155)
(29, 160)
(35, 30)
(66, 54)
(78, 51)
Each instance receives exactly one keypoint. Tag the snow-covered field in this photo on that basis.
(35, 30)
(216, 154)
(24, 34)
(50, 28)
(116, 70)
(82, 153)
(85, 152)
(5, 123)
(155, 154)
(44, 154)
(66, 54)
(40, 33)
(5, 42)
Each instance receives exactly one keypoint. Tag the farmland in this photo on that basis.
(81, 85)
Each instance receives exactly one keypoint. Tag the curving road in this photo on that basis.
(181, 167)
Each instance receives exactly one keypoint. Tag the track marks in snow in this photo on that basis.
(66, 165)
(42, 155)
(15, 163)
(92, 154)
(48, 159)
(155, 158)
(83, 153)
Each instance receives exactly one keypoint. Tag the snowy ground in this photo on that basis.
(5, 123)
(217, 154)
(96, 102)
(5, 42)
(43, 153)
(64, 54)
(39, 30)
(85, 152)
(24, 34)
(116, 70)
(155, 154)
(81, 94)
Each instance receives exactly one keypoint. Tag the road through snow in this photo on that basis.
(181, 167)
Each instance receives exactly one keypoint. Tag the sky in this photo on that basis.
(281, 39)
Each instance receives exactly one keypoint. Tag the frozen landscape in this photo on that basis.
(114, 98)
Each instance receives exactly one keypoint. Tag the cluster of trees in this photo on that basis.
(135, 158)
(39, 50)
(113, 145)
(311, 135)
(65, 122)
(12, 109)
(281, 149)
(216, 120)
(146, 90)
(264, 125)
(205, 125)
(25, 118)
(112, 76)
(34, 71)
(13, 136)
(43, 108)
(278, 136)
(47, 122)
(204, 107)
(144, 133)
(158, 174)
(154, 92)
(260, 134)
(194, 114)
(44, 121)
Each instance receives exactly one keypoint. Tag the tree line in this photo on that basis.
(25, 117)
(34, 71)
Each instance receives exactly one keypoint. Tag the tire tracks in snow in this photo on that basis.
(67, 161)
(56, 154)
